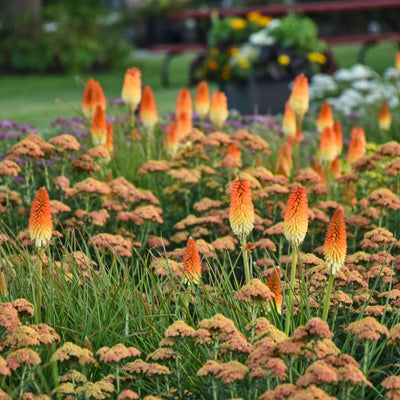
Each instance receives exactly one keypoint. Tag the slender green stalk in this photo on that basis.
(245, 260)
(39, 283)
(328, 297)
(364, 366)
(290, 314)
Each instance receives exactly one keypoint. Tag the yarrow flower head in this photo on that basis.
(335, 246)
(295, 222)
(241, 213)
(40, 221)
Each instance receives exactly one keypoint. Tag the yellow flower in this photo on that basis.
(317, 58)
(263, 21)
(234, 51)
(243, 62)
(253, 16)
(237, 23)
(284, 59)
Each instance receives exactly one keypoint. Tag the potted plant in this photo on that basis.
(255, 58)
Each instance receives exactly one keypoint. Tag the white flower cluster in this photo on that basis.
(264, 37)
(357, 89)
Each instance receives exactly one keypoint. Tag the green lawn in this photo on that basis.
(38, 100)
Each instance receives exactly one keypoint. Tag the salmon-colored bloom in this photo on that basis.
(184, 103)
(325, 117)
(191, 262)
(295, 223)
(202, 99)
(397, 60)
(273, 283)
(132, 88)
(148, 109)
(356, 149)
(93, 96)
(184, 124)
(98, 128)
(289, 122)
(385, 117)
(40, 221)
(327, 149)
(299, 98)
(219, 109)
(241, 212)
(335, 246)
(337, 127)
(171, 142)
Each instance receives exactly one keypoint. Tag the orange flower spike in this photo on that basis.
(337, 127)
(132, 88)
(335, 246)
(325, 117)
(87, 99)
(397, 60)
(335, 168)
(289, 122)
(98, 129)
(93, 96)
(184, 125)
(285, 162)
(191, 262)
(327, 148)
(273, 283)
(171, 142)
(299, 99)
(241, 212)
(356, 150)
(202, 99)
(358, 133)
(234, 152)
(99, 99)
(295, 223)
(219, 109)
(110, 138)
(385, 117)
(148, 109)
(184, 103)
(40, 221)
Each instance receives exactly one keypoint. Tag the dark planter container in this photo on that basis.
(255, 96)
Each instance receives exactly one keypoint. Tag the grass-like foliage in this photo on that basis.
(198, 256)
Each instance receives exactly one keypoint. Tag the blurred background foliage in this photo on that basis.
(61, 36)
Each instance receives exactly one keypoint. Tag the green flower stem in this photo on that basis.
(39, 284)
(245, 260)
(327, 298)
(364, 366)
(290, 314)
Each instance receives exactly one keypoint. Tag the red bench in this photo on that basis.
(368, 39)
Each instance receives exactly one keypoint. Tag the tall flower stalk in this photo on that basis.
(295, 226)
(241, 218)
(335, 248)
(40, 230)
